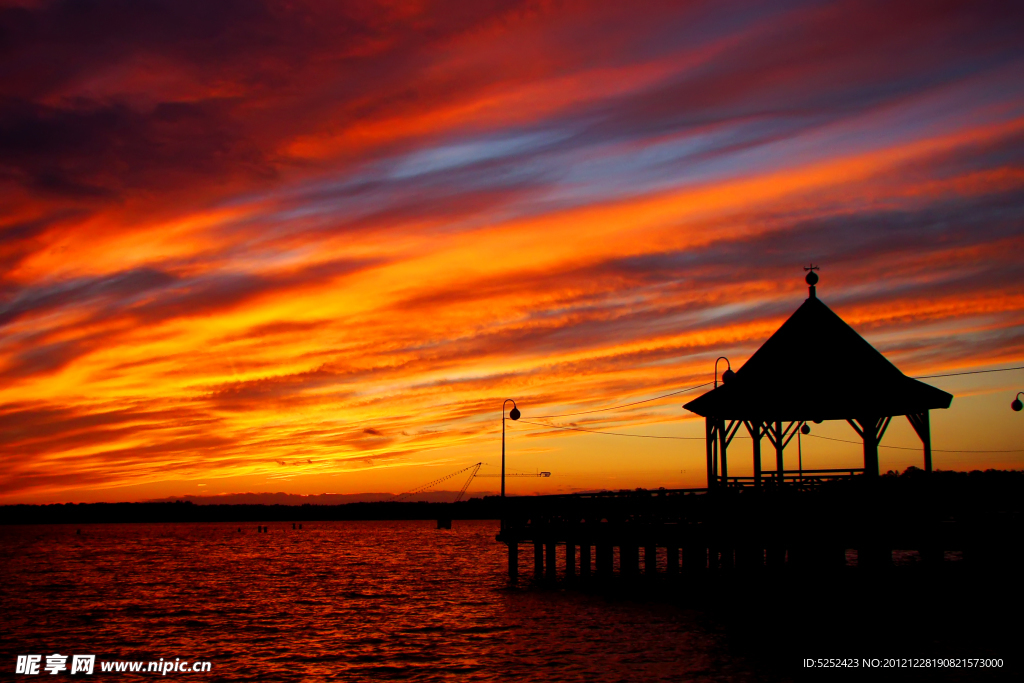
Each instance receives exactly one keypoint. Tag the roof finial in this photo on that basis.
(811, 279)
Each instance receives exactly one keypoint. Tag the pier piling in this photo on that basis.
(585, 560)
(629, 559)
(513, 562)
(695, 558)
(604, 560)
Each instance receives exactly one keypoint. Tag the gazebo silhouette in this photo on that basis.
(814, 368)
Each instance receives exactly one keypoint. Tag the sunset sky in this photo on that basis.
(312, 247)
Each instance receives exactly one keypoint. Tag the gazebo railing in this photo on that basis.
(795, 477)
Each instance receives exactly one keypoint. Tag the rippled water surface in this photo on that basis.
(334, 601)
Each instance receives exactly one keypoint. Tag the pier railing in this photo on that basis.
(597, 514)
(799, 478)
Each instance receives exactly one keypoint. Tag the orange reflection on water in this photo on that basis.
(333, 601)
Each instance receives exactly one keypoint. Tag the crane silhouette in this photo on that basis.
(474, 472)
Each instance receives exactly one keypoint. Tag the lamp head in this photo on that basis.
(514, 413)
(727, 375)
(728, 370)
(1017, 405)
(805, 429)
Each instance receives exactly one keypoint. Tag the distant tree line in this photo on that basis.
(958, 495)
(184, 511)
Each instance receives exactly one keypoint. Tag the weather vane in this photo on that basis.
(812, 278)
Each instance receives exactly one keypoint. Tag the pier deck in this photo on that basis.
(744, 529)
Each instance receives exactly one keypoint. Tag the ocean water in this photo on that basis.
(347, 601)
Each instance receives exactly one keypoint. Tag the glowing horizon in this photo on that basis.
(312, 249)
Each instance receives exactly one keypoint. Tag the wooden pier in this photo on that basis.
(746, 530)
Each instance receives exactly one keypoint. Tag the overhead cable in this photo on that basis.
(626, 405)
(594, 431)
(911, 448)
(969, 372)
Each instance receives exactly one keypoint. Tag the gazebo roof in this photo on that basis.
(816, 367)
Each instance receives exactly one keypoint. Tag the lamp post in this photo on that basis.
(716, 448)
(804, 429)
(1017, 405)
(727, 375)
(514, 414)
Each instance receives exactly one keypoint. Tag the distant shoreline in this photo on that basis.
(998, 492)
(184, 511)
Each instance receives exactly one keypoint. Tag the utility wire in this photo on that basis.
(594, 431)
(700, 438)
(625, 405)
(910, 448)
(969, 372)
(740, 436)
(699, 386)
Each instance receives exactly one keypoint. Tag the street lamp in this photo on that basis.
(727, 375)
(514, 414)
(1017, 405)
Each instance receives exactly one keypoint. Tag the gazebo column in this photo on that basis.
(726, 431)
(871, 430)
(710, 440)
(755, 431)
(779, 448)
(921, 424)
(870, 449)
(723, 444)
(780, 438)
